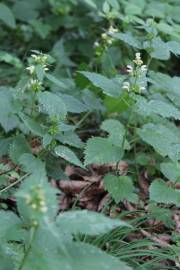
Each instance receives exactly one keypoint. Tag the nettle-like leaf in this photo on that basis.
(101, 150)
(160, 49)
(32, 125)
(18, 147)
(116, 131)
(8, 119)
(161, 193)
(162, 108)
(56, 81)
(73, 104)
(7, 16)
(52, 104)
(91, 258)
(104, 150)
(67, 154)
(171, 171)
(108, 86)
(120, 187)
(70, 138)
(86, 222)
(129, 39)
(10, 226)
(163, 139)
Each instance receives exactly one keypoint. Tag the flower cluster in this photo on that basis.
(35, 85)
(107, 37)
(37, 199)
(38, 60)
(136, 72)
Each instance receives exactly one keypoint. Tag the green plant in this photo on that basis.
(109, 67)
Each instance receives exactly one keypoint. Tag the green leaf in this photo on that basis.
(73, 104)
(86, 222)
(32, 125)
(160, 49)
(163, 139)
(129, 39)
(33, 165)
(10, 59)
(56, 81)
(120, 187)
(10, 226)
(7, 16)
(70, 138)
(67, 154)
(7, 118)
(174, 47)
(4, 146)
(42, 29)
(118, 105)
(161, 193)
(116, 131)
(171, 171)
(108, 86)
(25, 10)
(101, 150)
(91, 258)
(18, 147)
(52, 104)
(165, 109)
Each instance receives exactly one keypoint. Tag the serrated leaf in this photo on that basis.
(100, 150)
(4, 146)
(161, 193)
(7, 118)
(108, 86)
(160, 107)
(91, 258)
(70, 138)
(67, 154)
(73, 105)
(7, 16)
(9, 226)
(18, 147)
(86, 222)
(161, 49)
(52, 104)
(116, 131)
(171, 171)
(33, 165)
(128, 38)
(32, 125)
(174, 47)
(163, 139)
(120, 187)
(56, 81)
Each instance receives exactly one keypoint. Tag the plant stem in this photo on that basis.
(14, 183)
(82, 119)
(33, 232)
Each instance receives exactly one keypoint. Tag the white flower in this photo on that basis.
(112, 30)
(143, 68)
(142, 88)
(31, 69)
(126, 86)
(129, 69)
(104, 36)
(138, 56)
(96, 44)
(137, 59)
(109, 41)
(43, 209)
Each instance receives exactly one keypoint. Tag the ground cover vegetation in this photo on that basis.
(89, 135)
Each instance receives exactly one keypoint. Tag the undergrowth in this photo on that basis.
(89, 135)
